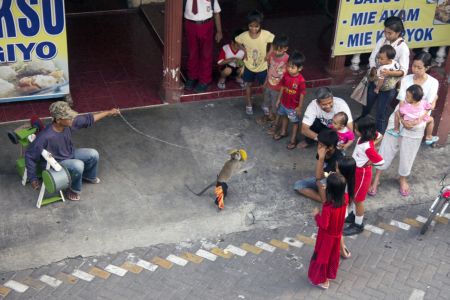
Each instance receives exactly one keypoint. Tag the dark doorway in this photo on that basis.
(86, 6)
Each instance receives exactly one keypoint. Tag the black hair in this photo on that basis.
(395, 24)
(328, 137)
(367, 126)
(323, 93)
(280, 41)
(236, 33)
(388, 50)
(335, 190)
(416, 92)
(424, 57)
(343, 117)
(255, 17)
(297, 59)
(347, 168)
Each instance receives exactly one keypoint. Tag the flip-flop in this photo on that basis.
(242, 84)
(318, 285)
(391, 132)
(404, 193)
(292, 144)
(73, 194)
(280, 136)
(372, 193)
(348, 253)
(433, 140)
(250, 110)
(221, 85)
(96, 181)
(265, 109)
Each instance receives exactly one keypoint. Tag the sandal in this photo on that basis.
(318, 285)
(264, 120)
(221, 85)
(249, 110)
(279, 136)
(75, 196)
(96, 181)
(391, 132)
(433, 140)
(265, 109)
(291, 145)
(241, 83)
(273, 129)
(372, 193)
(348, 253)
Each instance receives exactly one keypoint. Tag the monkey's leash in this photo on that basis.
(165, 142)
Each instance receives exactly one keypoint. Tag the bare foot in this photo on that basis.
(303, 144)
(396, 130)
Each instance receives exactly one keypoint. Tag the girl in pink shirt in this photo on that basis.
(414, 108)
(346, 136)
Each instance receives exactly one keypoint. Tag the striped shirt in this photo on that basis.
(293, 87)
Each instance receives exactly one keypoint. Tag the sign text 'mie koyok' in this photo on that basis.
(38, 15)
(370, 18)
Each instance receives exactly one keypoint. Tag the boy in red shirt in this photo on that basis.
(290, 99)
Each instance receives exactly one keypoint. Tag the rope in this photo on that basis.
(165, 142)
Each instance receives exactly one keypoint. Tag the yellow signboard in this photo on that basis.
(33, 50)
(360, 23)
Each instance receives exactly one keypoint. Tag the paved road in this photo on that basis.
(390, 260)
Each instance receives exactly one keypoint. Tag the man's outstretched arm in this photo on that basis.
(108, 113)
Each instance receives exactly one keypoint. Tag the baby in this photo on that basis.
(414, 108)
(385, 62)
(346, 136)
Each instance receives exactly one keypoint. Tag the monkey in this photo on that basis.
(231, 167)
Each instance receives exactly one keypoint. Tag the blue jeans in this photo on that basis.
(83, 165)
(291, 113)
(384, 100)
(309, 183)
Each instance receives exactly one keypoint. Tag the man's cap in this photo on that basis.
(62, 110)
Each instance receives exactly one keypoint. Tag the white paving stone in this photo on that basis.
(51, 281)
(374, 229)
(423, 220)
(447, 216)
(206, 254)
(17, 286)
(177, 260)
(314, 236)
(146, 265)
(236, 250)
(293, 242)
(400, 225)
(83, 275)
(116, 270)
(417, 295)
(265, 246)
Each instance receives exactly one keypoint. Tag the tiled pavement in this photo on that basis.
(390, 260)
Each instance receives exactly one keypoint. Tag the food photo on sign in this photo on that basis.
(33, 50)
(442, 16)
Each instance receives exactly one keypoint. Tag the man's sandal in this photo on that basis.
(75, 196)
(264, 120)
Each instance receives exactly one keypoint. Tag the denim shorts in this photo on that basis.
(249, 76)
(291, 113)
(309, 183)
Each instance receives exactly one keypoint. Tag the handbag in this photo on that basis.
(360, 92)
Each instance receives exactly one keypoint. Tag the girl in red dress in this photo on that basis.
(325, 260)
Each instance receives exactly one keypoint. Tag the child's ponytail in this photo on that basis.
(347, 168)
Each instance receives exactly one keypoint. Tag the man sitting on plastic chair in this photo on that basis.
(57, 139)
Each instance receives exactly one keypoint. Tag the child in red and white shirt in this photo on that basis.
(365, 156)
(346, 136)
(228, 61)
(290, 98)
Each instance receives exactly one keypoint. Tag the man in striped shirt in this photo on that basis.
(290, 99)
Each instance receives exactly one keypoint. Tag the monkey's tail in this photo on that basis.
(201, 193)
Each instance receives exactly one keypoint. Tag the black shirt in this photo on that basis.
(329, 164)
